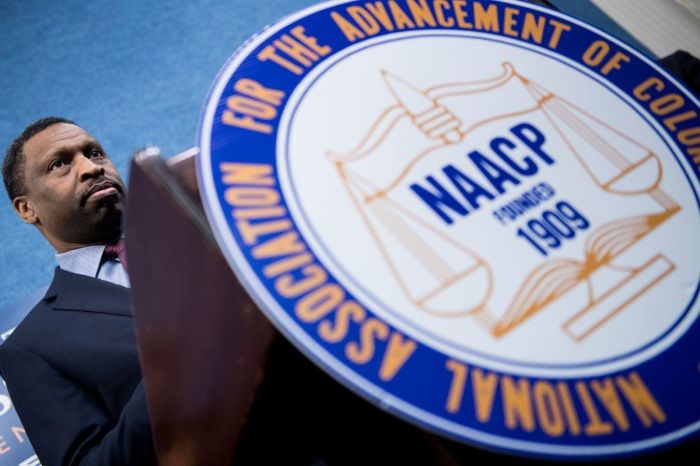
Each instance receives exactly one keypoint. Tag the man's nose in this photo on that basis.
(87, 168)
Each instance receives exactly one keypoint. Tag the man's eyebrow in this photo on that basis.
(91, 143)
(61, 151)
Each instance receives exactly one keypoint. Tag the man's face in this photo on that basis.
(73, 193)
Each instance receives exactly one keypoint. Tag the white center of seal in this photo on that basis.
(515, 213)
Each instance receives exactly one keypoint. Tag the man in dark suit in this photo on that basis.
(71, 366)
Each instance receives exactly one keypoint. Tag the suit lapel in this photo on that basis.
(74, 292)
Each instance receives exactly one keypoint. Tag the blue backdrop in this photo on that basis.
(130, 72)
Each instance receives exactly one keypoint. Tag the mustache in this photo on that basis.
(99, 184)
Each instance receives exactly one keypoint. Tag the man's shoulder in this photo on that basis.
(21, 337)
(70, 310)
(32, 324)
(27, 326)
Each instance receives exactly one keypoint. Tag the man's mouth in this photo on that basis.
(100, 193)
(102, 190)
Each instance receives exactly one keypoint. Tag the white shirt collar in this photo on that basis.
(83, 261)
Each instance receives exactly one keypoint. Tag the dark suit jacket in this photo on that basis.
(73, 374)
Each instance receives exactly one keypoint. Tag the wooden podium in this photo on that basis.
(223, 386)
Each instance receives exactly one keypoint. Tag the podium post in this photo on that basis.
(192, 318)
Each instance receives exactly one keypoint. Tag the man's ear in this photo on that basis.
(24, 208)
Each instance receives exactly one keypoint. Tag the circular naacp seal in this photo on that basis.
(481, 216)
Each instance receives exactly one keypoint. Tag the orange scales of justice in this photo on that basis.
(445, 278)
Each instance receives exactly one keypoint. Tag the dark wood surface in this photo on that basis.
(202, 343)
